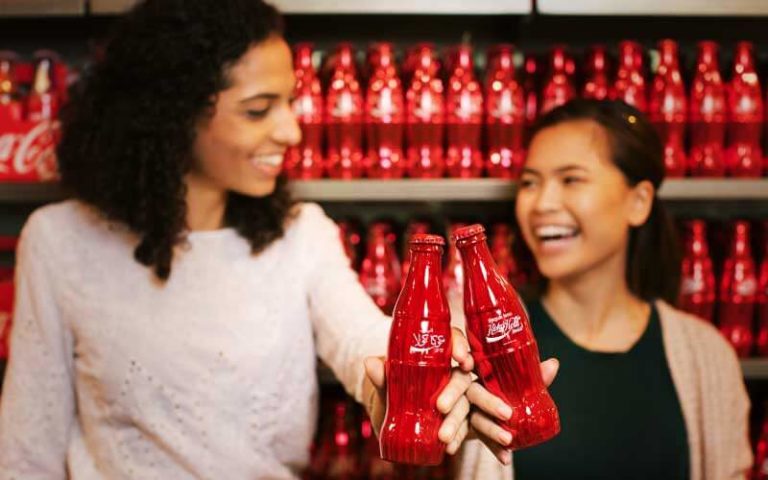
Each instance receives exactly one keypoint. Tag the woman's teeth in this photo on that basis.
(555, 232)
(271, 160)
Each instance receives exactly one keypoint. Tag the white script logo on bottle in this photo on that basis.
(502, 326)
(427, 342)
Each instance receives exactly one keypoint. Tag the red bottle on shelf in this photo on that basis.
(761, 454)
(630, 77)
(597, 85)
(738, 288)
(453, 275)
(425, 116)
(414, 227)
(350, 240)
(341, 458)
(464, 117)
(501, 250)
(344, 117)
(384, 116)
(502, 343)
(668, 108)
(531, 92)
(42, 101)
(504, 116)
(762, 298)
(380, 269)
(418, 360)
(558, 88)
(707, 115)
(11, 109)
(305, 160)
(697, 289)
(744, 156)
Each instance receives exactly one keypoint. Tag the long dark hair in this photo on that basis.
(653, 256)
(129, 128)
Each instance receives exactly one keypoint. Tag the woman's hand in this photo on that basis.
(452, 401)
(490, 409)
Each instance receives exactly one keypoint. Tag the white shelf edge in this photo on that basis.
(654, 7)
(755, 368)
(715, 189)
(41, 8)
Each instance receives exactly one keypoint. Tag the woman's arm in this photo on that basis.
(37, 407)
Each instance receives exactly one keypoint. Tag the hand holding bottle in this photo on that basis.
(490, 409)
(452, 401)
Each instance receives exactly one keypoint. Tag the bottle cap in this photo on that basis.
(468, 231)
(427, 239)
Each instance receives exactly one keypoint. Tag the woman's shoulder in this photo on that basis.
(684, 328)
(307, 218)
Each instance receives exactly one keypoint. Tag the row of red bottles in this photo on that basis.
(439, 122)
(40, 99)
(382, 271)
(451, 125)
(741, 297)
(346, 448)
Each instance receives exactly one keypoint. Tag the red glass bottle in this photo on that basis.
(630, 79)
(504, 116)
(305, 160)
(502, 343)
(707, 115)
(464, 117)
(744, 156)
(42, 101)
(558, 88)
(668, 108)
(380, 269)
(762, 298)
(344, 117)
(425, 116)
(531, 74)
(453, 275)
(597, 85)
(418, 360)
(414, 227)
(738, 288)
(350, 239)
(342, 455)
(502, 239)
(761, 454)
(384, 116)
(11, 109)
(697, 289)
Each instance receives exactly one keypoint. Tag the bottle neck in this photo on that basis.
(741, 246)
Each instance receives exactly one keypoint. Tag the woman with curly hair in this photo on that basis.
(169, 315)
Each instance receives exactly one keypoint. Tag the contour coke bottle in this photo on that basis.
(414, 227)
(305, 160)
(502, 239)
(744, 156)
(418, 361)
(707, 115)
(42, 101)
(762, 298)
(502, 343)
(738, 288)
(380, 269)
(464, 117)
(668, 108)
(425, 116)
(11, 109)
(344, 117)
(558, 88)
(504, 116)
(384, 116)
(697, 289)
(630, 79)
(597, 85)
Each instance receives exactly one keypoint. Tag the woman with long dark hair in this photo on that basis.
(169, 315)
(645, 390)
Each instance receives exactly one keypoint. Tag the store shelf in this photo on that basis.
(39, 8)
(755, 368)
(461, 7)
(654, 7)
(438, 190)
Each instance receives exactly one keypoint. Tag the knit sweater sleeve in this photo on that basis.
(347, 323)
(38, 405)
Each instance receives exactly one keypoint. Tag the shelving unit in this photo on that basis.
(37, 8)
(437, 190)
(654, 7)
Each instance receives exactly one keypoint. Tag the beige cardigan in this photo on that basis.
(712, 395)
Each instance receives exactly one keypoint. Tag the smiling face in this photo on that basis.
(574, 206)
(239, 147)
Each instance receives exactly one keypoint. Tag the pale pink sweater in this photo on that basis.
(712, 395)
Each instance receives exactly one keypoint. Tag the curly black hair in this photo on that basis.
(129, 128)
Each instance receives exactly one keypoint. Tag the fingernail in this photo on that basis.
(504, 411)
(505, 437)
(446, 431)
(506, 457)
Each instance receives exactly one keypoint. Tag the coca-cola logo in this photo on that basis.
(467, 106)
(304, 106)
(427, 342)
(426, 107)
(692, 285)
(344, 106)
(31, 153)
(503, 106)
(746, 288)
(501, 327)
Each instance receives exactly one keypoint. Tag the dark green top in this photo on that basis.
(619, 412)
